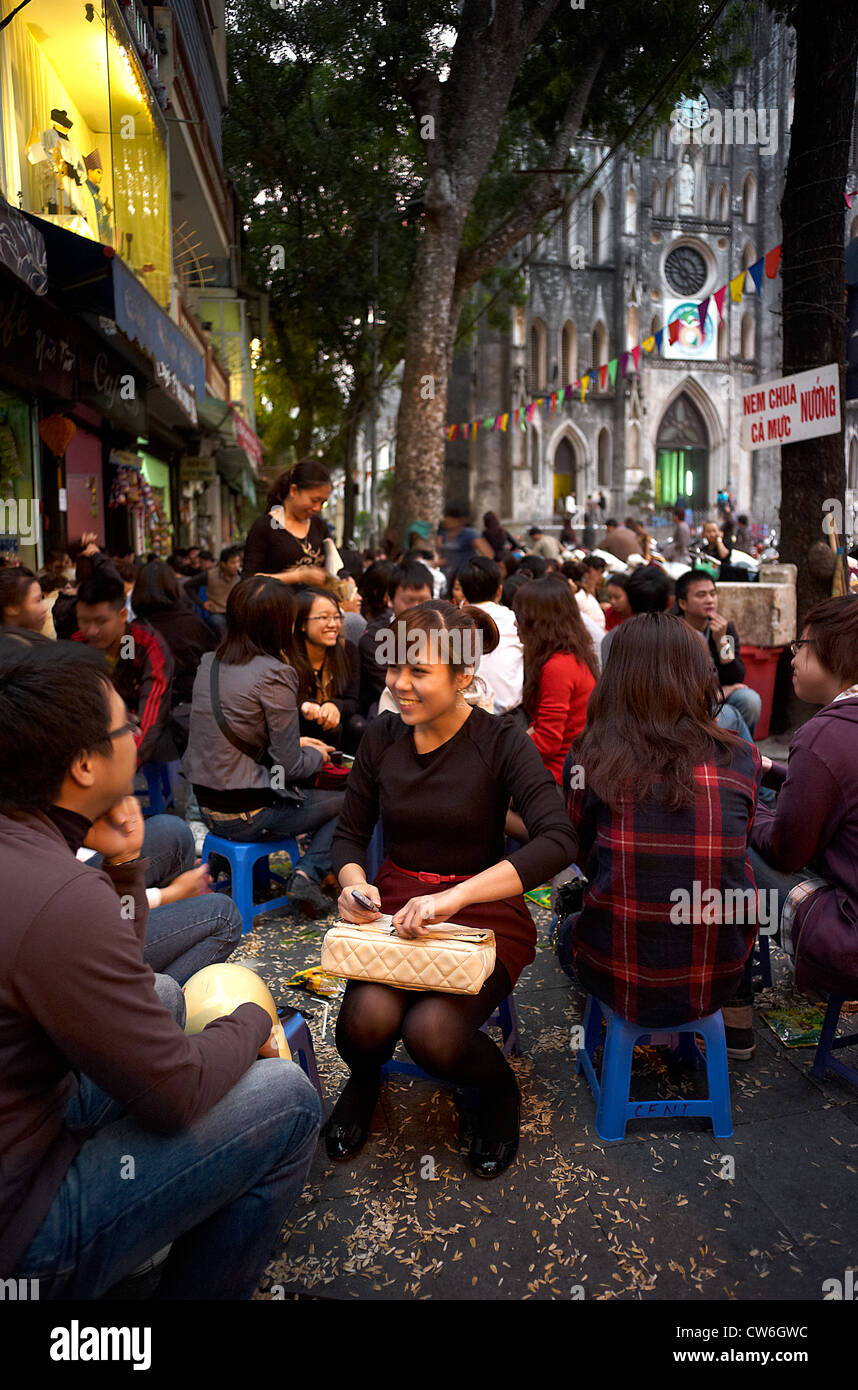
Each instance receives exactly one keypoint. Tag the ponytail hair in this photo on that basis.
(306, 474)
(468, 632)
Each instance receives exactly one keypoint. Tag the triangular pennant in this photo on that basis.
(585, 382)
(477, 424)
(465, 429)
(636, 355)
(612, 372)
(624, 362)
(553, 401)
(648, 344)
(718, 296)
(702, 312)
(530, 410)
(756, 273)
(659, 339)
(773, 260)
(603, 376)
(548, 405)
(569, 392)
(847, 198)
(736, 287)
(673, 331)
(504, 421)
(452, 432)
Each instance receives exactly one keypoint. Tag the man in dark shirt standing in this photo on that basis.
(697, 602)
(98, 1081)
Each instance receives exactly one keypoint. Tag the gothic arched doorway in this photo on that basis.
(565, 473)
(682, 457)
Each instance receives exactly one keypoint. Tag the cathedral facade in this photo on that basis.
(653, 234)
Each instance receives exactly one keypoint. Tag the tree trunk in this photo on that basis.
(814, 319)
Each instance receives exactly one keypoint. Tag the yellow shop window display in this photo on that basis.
(82, 141)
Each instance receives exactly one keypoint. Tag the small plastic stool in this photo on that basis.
(506, 1019)
(614, 1109)
(161, 783)
(301, 1045)
(241, 858)
(823, 1061)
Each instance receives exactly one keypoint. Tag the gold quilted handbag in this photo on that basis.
(457, 960)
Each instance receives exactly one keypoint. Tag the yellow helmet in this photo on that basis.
(217, 990)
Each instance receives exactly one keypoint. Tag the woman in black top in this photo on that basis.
(288, 543)
(441, 774)
(328, 671)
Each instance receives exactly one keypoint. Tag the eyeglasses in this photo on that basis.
(128, 728)
(326, 619)
(802, 642)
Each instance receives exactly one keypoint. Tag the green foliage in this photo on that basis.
(642, 495)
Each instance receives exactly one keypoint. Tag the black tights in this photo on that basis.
(440, 1031)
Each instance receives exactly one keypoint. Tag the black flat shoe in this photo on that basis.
(343, 1141)
(306, 895)
(487, 1158)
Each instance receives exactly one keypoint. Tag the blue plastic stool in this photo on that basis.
(161, 784)
(301, 1046)
(241, 859)
(506, 1019)
(614, 1109)
(823, 1061)
(763, 960)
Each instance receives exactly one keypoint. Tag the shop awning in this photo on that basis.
(248, 441)
(233, 467)
(22, 249)
(89, 278)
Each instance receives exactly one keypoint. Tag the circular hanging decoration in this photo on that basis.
(57, 432)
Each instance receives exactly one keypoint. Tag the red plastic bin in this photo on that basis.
(761, 664)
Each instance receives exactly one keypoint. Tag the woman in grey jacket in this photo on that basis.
(245, 754)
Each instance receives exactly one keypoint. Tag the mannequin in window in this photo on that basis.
(60, 167)
(103, 211)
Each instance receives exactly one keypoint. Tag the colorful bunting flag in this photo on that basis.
(452, 432)
(504, 419)
(736, 287)
(612, 372)
(603, 376)
(756, 273)
(636, 354)
(553, 401)
(673, 331)
(848, 200)
(530, 410)
(648, 344)
(719, 302)
(659, 339)
(465, 428)
(702, 313)
(585, 382)
(624, 362)
(773, 260)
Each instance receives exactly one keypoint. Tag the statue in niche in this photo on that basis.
(686, 186)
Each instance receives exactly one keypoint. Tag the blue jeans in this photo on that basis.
(316, 817)
(748, 704)
(773, 881)
(220, 1190)
(168, 844)
(729, 717)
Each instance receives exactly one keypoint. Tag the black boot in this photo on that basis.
(496, 1134)
(347, 1129)
(306, 895)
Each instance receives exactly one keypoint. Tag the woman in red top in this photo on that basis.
(620, 609)
(560, 668)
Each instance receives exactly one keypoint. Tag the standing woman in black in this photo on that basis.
(288, 542)
(440, 774)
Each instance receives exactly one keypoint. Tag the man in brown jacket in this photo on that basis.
(119, 1134)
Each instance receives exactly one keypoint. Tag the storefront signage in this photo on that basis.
(141, 318)
(197, 470)
(38, 347)
(111, 386)
(247, 440)
(176, 390)
(22, 249)
(795, 407)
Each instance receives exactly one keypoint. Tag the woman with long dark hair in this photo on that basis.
(560, 667)
(440, 773)
(289, 542)
(328, 670)
(495, 535)
(158, 599)
(663, 802)
(246, 757)
(22, 603)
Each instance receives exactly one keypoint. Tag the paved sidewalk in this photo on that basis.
(649, 1218)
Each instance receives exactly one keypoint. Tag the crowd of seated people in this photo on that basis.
(636, 686)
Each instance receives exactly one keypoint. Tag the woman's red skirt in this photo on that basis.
(509, 918)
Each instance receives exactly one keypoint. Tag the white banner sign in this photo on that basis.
(796, 407)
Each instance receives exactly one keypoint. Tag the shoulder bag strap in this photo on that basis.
(257, 755)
